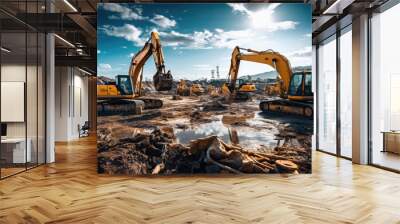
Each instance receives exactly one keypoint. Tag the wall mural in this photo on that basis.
(204, 88)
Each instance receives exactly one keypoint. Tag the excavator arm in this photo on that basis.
(162, 80)
(279, 62)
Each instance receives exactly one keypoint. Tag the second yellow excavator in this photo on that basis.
(183, 89)
(295, 91)
(229, 89)
(124, 95)
(295, 88)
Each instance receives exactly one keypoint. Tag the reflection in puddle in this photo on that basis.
(248, 137)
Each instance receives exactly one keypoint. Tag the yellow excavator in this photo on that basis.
(197, 89)
(183, 89)
(124, 95)
(295, 90)
(245, 89)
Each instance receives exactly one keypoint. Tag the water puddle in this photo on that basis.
(253, 135)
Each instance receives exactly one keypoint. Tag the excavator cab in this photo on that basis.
(300, 88)
(124, 84)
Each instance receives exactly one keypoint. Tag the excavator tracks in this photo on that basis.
(109, 107)
(151, 103)
(304, 109)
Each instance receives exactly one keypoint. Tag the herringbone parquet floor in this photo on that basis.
(70, 191)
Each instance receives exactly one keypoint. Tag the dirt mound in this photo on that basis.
(156, 153)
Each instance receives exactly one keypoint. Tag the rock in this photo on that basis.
(236, 119)
(182, 126)
(195, 115)
(214, 106)
(168, 132)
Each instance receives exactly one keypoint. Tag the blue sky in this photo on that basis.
(198, 37)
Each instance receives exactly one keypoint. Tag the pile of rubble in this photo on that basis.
(214, 105)
(156, 153)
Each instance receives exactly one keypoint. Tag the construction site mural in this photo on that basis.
(204, 88)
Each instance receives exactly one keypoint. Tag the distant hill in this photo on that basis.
(262, 76)
(301, 68)
(272, 74)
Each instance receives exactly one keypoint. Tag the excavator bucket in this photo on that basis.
(162, 81)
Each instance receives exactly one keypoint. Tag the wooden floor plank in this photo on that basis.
(70, 191)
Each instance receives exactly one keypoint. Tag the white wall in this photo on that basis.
(33, 126)
(71, 102)
(12, 73)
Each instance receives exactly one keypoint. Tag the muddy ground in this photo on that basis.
(200, 134)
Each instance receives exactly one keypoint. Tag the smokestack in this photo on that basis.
(217, 72)
(212, 73)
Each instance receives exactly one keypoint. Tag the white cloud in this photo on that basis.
(239, 7)
(128, 32)
(304, 52)
(123, 11)
(233, 38)
(207, 39)
(301, 57)
(131, 55)
(126, 13)
(255, 37)
(98, 51)
(174, 38)
(163, 21)
(105, 67)
(308, 35)
(263, 18)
